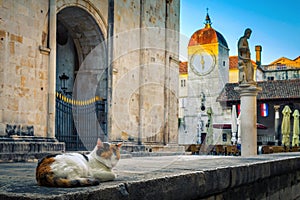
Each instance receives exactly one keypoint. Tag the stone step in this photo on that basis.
(23, 149)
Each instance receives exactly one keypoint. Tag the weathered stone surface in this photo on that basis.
(170, 177)
(26, 75)
(28, 148)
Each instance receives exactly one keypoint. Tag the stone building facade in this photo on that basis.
(125, 52)
(208, 71)
(281, 69)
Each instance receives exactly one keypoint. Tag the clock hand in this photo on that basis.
(202, 62)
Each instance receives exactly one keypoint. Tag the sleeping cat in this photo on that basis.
(75, 169)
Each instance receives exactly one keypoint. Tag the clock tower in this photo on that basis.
(208, 71)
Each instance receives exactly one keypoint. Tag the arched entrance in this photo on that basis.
(81, 80)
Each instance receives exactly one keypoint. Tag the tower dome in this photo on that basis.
(207, 35)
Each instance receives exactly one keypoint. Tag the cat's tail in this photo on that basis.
(51, 181)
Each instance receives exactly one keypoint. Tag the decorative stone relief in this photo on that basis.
(19, 130)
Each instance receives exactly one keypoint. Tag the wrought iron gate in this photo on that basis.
(80, 123)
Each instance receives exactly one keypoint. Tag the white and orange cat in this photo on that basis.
(75, 169)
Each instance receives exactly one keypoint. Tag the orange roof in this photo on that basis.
(297, 59)
(203, 36)
(279, 60)
(183, 67)
(207, 36)
(286, 61)
(233, 62)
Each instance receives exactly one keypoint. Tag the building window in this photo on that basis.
(270, 78)
(183, 83)
(224, 137)
(224, 63)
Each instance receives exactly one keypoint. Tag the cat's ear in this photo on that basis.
(119, 144)
(99, 143)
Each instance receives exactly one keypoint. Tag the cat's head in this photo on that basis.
(107, 153)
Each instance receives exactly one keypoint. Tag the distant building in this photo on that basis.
(281, 69)
(207, 69)
(183, 91)
(210, 87)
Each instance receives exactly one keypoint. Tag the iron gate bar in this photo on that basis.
(69, 112)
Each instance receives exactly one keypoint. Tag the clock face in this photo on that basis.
(202, 63)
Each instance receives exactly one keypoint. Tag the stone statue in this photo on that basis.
(246, 69)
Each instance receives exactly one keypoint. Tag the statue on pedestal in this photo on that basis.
(248, 90)
(246, 69)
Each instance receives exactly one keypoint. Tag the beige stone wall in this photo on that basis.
(145, 82)
(23, 68)
(144, 78)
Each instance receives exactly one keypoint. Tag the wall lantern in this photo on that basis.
(63, 79)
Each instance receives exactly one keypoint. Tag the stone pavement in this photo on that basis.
(138, 177)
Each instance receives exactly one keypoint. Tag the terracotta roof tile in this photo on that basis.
(271, 90)
(233, 62)
(207, 36)
(183, 68)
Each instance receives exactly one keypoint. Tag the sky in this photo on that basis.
(275, 24)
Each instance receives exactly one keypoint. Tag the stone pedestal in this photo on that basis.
(248, 94)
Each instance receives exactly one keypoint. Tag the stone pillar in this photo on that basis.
(276, 124)
(110, 65)
(248, 122)
(52, 70)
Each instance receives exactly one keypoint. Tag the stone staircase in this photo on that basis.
(26, 148)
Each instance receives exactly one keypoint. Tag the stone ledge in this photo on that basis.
(187, 177)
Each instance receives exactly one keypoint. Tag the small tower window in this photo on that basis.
(224, 137)
(224, 63)
(183, 83)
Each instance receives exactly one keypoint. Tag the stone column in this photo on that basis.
(276, 124)
(51, 70)
(248, 122)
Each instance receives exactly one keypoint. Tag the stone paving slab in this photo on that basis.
(17, 180)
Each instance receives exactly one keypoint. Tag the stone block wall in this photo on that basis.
(151, 90)
(145, 76)
(24, 69)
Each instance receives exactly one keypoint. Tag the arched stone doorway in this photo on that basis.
(81, 79)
